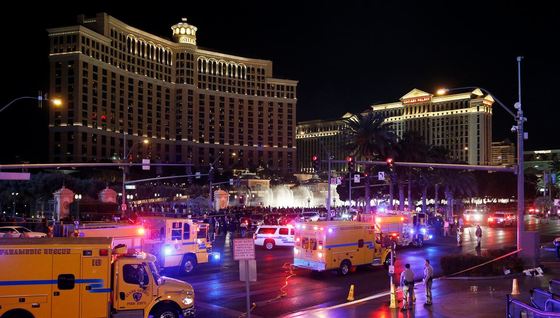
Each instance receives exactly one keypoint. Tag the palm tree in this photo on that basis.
(410, 148)
(456, 182)
(369, 137)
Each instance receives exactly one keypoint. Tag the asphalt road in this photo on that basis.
(219, 293)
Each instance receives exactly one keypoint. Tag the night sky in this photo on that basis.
(346, 55)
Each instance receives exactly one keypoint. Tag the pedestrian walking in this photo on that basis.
(478, 234)
(428, 278)
(446, 228)
(459, 236)
(407, 284)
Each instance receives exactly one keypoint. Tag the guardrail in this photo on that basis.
(518, 309)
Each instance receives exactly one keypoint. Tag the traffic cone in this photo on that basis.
(393, 303)
(515, 287)
(351, 293)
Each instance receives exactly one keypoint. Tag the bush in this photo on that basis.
(452, 264)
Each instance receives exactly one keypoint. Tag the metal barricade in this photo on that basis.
(554, 287)
(552, 305)
(539, 298)
(518, 309)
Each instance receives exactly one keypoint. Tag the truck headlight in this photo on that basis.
(188, 300)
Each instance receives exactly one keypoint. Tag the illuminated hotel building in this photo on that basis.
(319, 138)
(461, 123)
(193, 104)
(503, 153)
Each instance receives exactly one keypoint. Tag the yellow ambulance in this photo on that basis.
(178, 242)
(340, 245)
(84, 277)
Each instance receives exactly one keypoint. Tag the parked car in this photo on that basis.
(19, 231)
(310, 216)
(502, 218)
(270, 236)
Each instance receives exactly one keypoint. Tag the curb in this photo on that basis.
(482, 277)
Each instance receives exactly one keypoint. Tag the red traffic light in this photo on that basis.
(314, 158)
(389, 161)
(103, 117)
(349, 159)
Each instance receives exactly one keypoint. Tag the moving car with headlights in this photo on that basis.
(177, 242)
(270, 236)
(84, 277)
(502, 218)
(340, 245)
(473, 217)
(18, 231)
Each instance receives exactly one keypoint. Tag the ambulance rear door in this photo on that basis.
(67, 280)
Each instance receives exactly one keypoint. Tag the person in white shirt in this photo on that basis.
(407, 284)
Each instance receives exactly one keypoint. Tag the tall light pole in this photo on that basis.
(78, 197)
(519, 119)
(40, 97)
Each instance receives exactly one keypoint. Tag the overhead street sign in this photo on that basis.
(15, 176)
(381, 175)
(145, 164)
(356, 178)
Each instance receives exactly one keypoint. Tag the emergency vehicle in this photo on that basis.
(177, 243)
(340, 245)
(403, 228)
(73, 277)
(131, 235)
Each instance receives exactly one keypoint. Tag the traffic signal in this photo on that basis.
(104, 121)
(316, 163)
(351, 164)
(390, 164)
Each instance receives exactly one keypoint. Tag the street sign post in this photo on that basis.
(244, 252)
(197, 175)
(356, 178)
(381, 175)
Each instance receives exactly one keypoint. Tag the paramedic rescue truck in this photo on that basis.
(179, 243)
(403, 228)
(340, 245)
(84, 277)
(131, 235)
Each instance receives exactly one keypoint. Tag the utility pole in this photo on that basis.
(520, 160)
(329, 188)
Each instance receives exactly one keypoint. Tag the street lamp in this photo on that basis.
(55, 101)
(520, 138)
(125, 157)
(78, 197)
(14, 197)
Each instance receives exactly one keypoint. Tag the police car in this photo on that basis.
(270, 236)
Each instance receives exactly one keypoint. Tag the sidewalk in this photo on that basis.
(484, 298)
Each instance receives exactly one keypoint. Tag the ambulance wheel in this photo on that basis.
(165, 312)
(18, 313)
(269, 244)
(189, 264)
(344, 267)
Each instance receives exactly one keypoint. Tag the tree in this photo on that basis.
(369, 137)
(410, 148)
